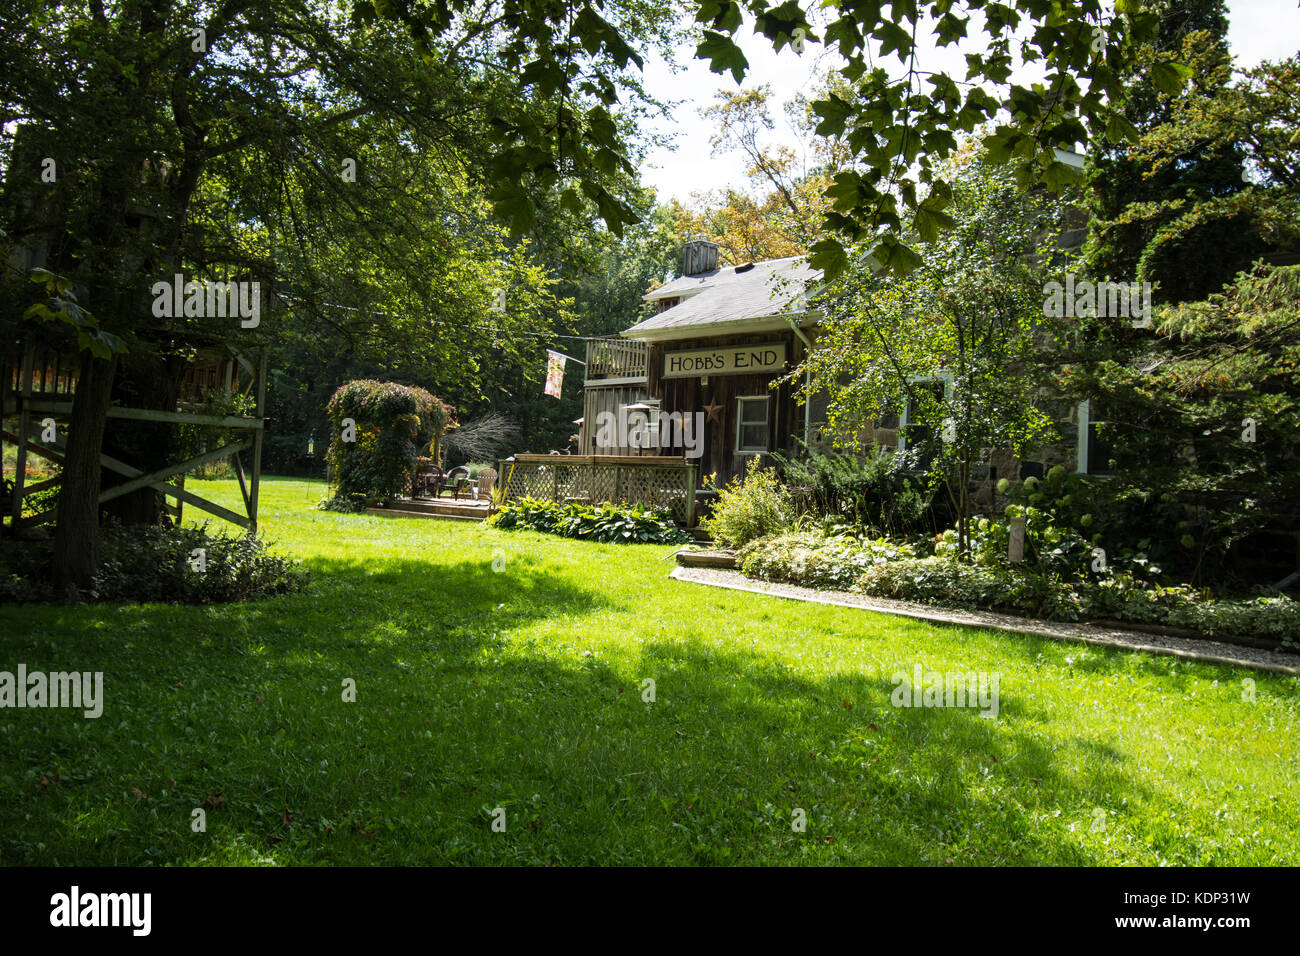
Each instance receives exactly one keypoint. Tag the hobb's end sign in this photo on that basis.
(727, 360)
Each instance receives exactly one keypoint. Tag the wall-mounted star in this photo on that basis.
(714, 413)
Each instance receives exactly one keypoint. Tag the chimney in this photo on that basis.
(700, 257)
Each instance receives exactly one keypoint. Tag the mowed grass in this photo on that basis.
(522, 689)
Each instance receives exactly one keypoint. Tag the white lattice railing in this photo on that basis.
(656, 482)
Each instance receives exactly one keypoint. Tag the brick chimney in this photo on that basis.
(699, 257)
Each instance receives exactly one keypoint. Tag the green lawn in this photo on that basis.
(522, 689)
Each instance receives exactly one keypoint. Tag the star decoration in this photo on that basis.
(714, 413)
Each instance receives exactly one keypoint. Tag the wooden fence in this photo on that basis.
(655, 481)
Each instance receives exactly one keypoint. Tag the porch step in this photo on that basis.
(429, 509)
(700, 535)
(706, 559)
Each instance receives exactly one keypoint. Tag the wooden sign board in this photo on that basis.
(725, 360)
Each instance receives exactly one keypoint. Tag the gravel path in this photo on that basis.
(1198, 649)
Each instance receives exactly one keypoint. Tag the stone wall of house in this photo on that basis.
(1001, 463)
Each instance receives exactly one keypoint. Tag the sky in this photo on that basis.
(1258, 30)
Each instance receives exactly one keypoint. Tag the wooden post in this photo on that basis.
(255, 479)
(1016, 545)
(24, 424)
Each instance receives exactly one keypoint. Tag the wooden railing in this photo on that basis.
(616, 358)
(659, 482)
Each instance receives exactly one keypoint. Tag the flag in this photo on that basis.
(554, 373)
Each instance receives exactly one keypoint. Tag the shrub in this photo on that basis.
(880, 490)
(940, 580)
(605, 522)
(153, 564)
(750, 509)
(816, 560)
(345, 504)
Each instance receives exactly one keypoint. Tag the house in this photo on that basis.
(702, 377)
(699, 373)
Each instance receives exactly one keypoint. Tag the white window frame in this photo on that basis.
(1083, 445)
(903, 420)
(767, 423)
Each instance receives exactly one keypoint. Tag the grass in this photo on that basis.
(521, 688)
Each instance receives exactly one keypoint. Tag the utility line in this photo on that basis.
(469, 325)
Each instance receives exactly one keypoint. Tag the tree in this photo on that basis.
(189, 135)
(1207, 237)
(1203, 422)
(1150, 218)
(957, 343)
(897, 127)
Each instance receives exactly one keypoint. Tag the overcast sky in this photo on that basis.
(1258, 30)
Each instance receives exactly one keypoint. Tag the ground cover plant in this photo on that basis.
(508, 670)
(602, 522)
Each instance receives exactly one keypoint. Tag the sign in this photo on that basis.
(725, 360)
(554, 373)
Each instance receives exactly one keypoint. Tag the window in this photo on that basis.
(1094, 453)
(912, 433)
(752, 423)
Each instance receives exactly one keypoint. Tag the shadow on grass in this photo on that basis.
(240, 709)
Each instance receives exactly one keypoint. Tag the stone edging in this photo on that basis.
(1198, 649)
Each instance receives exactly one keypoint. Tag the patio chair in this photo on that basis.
(456, 480)
(487, 479)
(428, 481)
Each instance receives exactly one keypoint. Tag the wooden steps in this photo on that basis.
(447, 509)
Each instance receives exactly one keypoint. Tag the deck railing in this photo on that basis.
(616, 358)
(658, 482)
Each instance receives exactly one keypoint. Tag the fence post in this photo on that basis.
(1016, 545)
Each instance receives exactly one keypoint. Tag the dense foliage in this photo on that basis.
(750, 507)
(880, 490)
(603, 522)
(390, 424)
(1203, 425)
(149, 564)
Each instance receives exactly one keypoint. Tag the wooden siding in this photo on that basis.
(689, 395)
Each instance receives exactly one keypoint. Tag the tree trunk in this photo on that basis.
(76, 536)
(149, 382)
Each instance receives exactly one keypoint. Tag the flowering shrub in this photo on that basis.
(605, 522)
(393, 423)
(816, 560)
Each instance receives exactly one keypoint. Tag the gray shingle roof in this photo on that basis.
(726, 295)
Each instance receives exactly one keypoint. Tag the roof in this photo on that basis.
(728, 296)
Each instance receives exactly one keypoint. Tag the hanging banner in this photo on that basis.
(554, 373)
